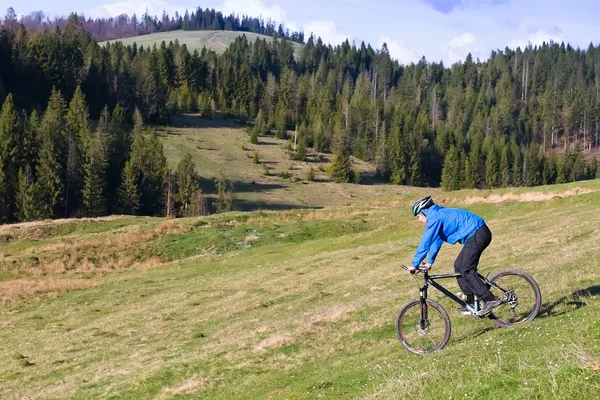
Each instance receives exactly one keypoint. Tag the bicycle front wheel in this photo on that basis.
(521, 297)
(422, 336)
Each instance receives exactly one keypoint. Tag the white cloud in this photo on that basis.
(130, 7)
(328, 31)
(399, 50)
(463, 40)
(255, 9)
(459, 46)
(536, 38)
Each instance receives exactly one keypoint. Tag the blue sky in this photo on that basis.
(438, 29)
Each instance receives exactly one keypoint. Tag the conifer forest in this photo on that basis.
(76, 136)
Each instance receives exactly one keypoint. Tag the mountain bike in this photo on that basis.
(423, 325)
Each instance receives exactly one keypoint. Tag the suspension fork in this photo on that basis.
(423, 296)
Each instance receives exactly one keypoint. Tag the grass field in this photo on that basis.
(218, 41)
(297, 304)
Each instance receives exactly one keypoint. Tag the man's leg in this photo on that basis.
(469, 259)
(463, 284)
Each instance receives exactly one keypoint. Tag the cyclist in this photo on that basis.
(454, 225)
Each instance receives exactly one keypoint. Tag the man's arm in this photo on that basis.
(428, 237)
(434, 249)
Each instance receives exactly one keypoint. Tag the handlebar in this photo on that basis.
(420, 268)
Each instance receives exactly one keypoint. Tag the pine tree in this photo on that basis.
(94, 186)
(187, 183)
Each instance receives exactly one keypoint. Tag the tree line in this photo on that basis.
(523, 117)
(54, 165)
(122, 26)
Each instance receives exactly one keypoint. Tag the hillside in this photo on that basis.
(217, 41)
(295, 304)
(221, 146)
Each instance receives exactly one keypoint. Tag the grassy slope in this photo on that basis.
(218, 41)
(222, 146)
(296, 305)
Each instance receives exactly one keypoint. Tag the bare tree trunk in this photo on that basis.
(584, 127)
(168, 196)
(523, 82)
(295, 136)
(376, 123)
(526, 81)
(544, 138)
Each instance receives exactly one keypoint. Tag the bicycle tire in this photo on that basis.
(402, 332)
(537, 294)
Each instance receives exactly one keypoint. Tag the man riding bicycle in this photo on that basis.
(454, 225)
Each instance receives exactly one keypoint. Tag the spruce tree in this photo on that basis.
(549, 172)
(341, 168)
(78, 141)
(49, 187)
(414, 162)
(3, 205)
(94, 186)
(187, 183)
(129, 197)
(53, 159)
(301, 149)
(451, 170)
(118, 149)
(26, 202)
(492, 169)
(397, 154)
(281, 132)
(505, 166)
(225, 196)
(259, 127)
(10, 141)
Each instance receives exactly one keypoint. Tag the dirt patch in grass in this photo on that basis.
(191, 386)
(523, 197)
(98, 253)
(25, 289)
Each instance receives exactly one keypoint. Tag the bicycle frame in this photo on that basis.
(431, 280)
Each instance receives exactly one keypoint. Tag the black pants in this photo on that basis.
(466, 264)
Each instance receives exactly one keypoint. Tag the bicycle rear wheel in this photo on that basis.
(521, 297)
(422, 338)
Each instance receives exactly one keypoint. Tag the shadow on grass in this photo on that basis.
(209, 187)
(193, 121)
(244, 205)
(568, 303)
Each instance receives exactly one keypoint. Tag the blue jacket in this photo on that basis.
(449, 225)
